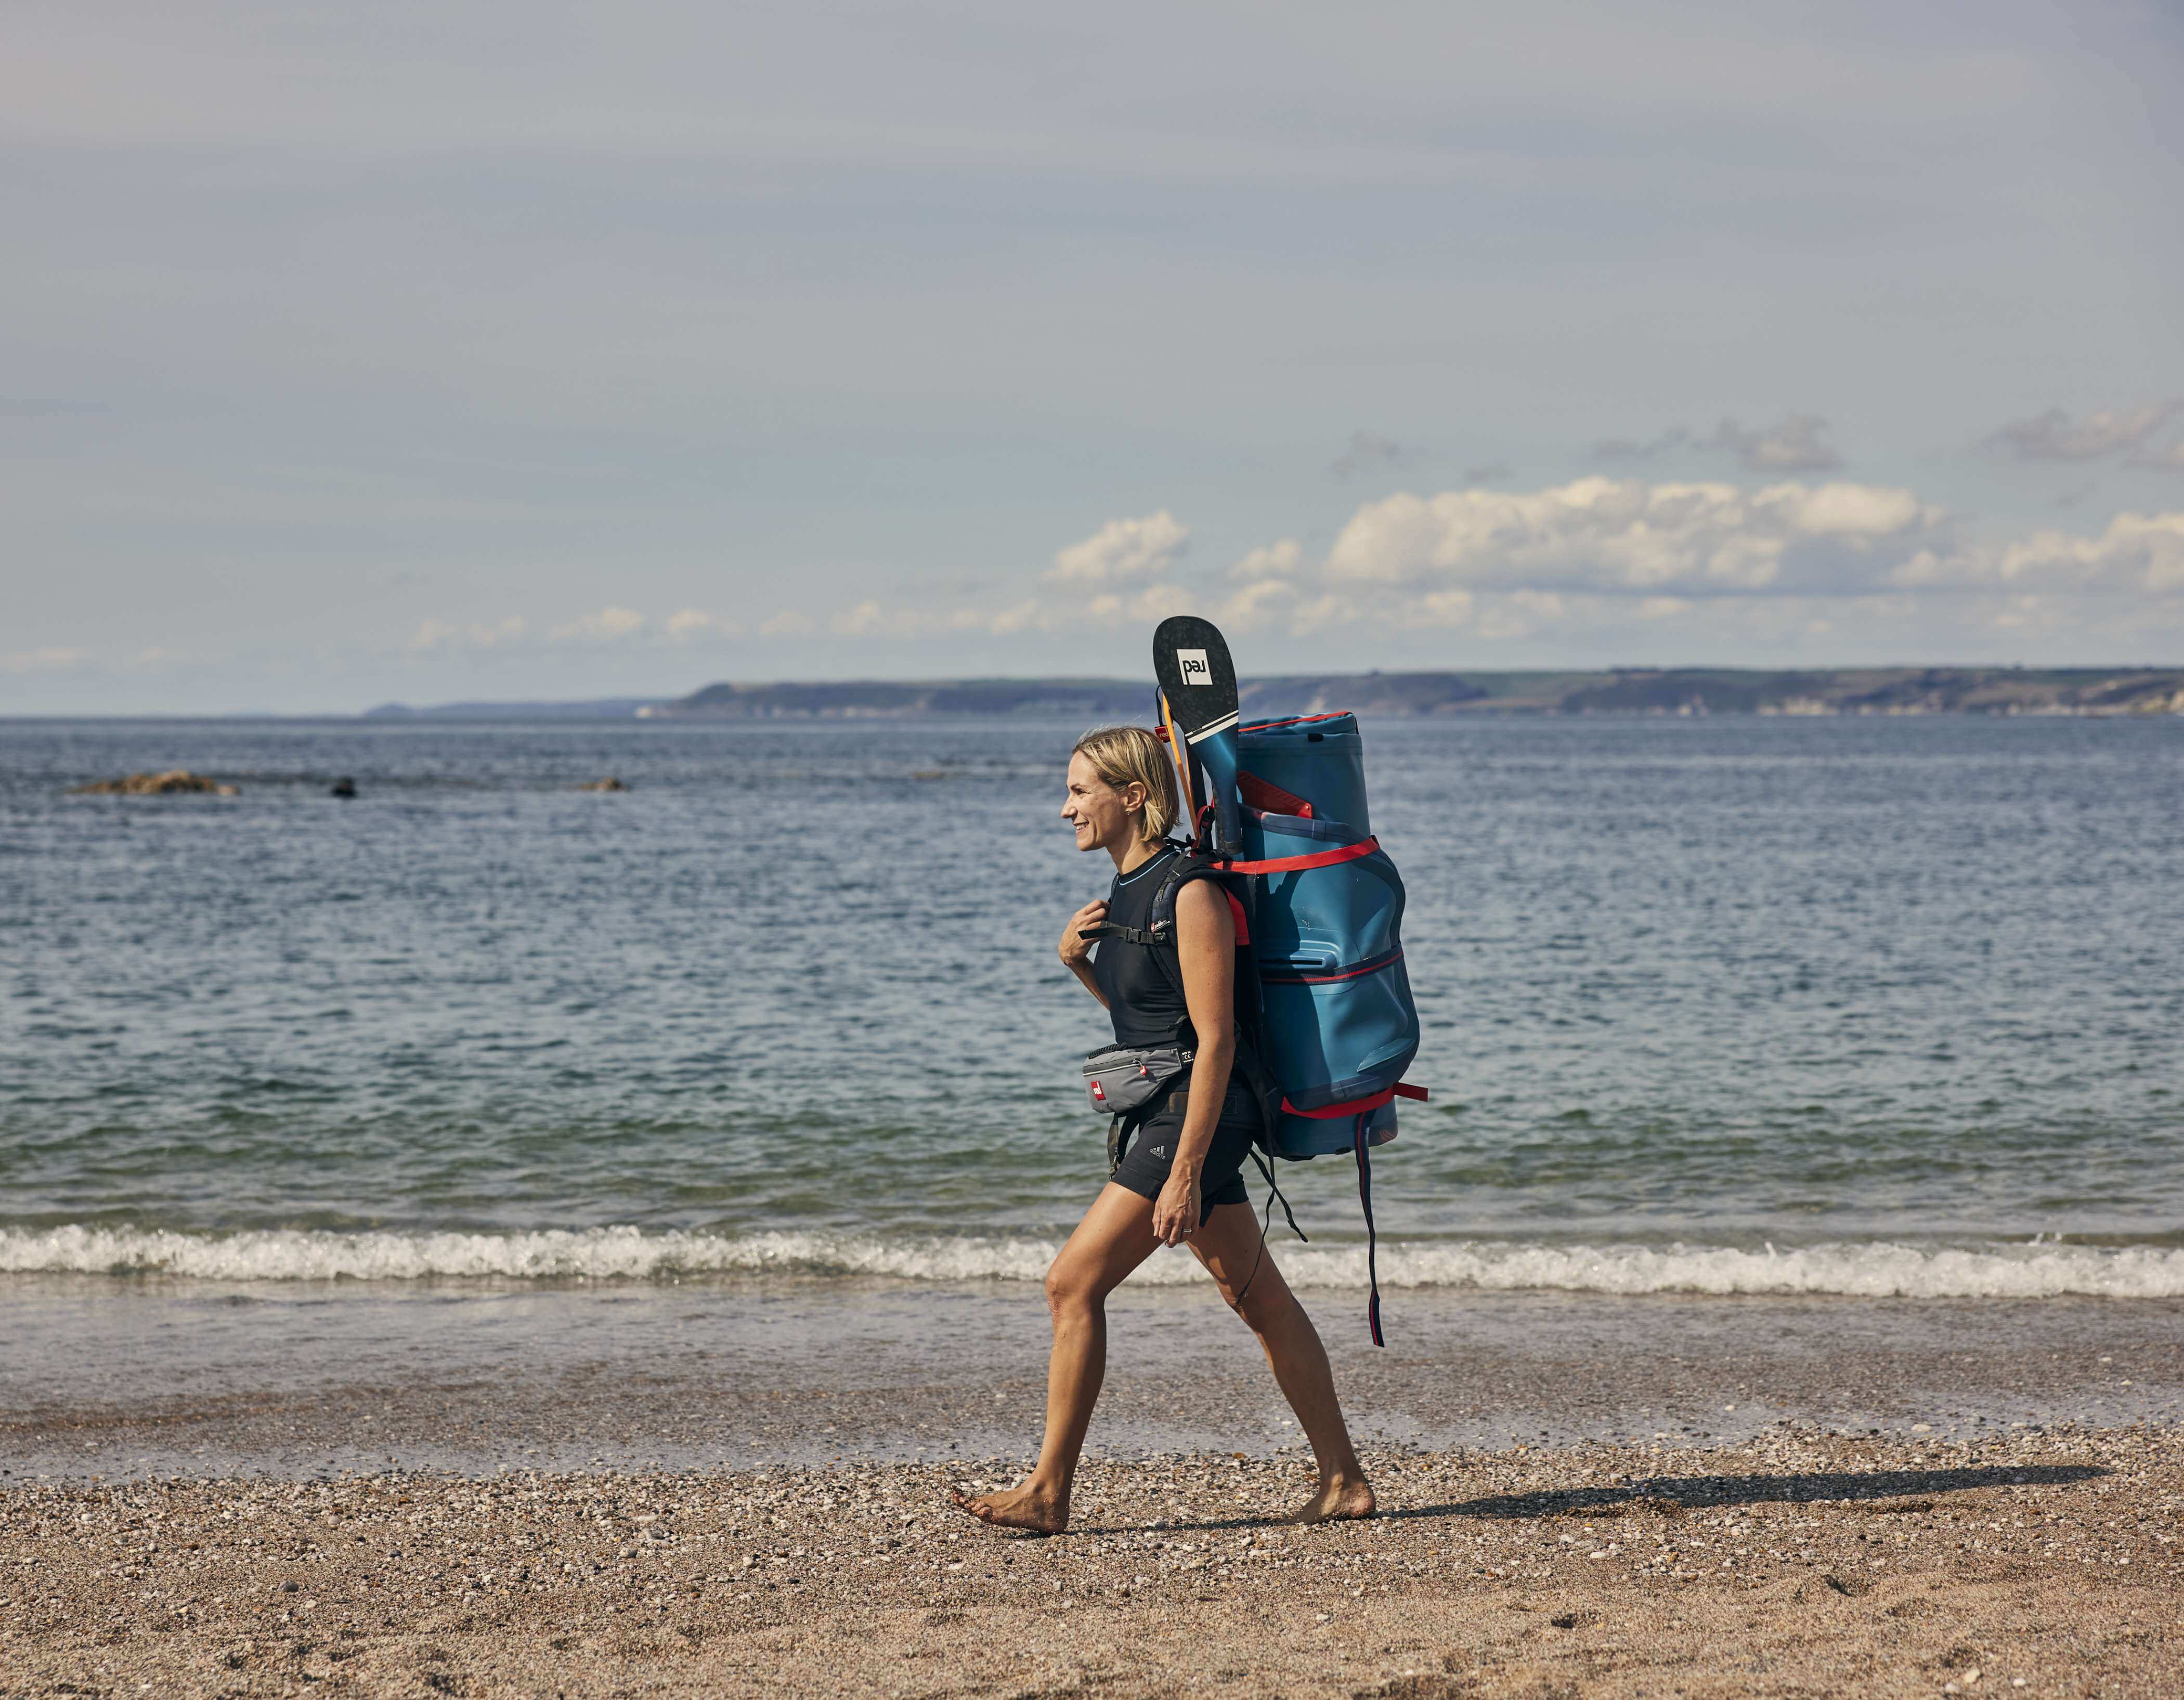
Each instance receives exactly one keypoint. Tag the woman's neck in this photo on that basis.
(1134, 855)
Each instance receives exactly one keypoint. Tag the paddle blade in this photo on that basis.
(1190, 660)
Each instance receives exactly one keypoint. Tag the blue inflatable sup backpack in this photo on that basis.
(1337, 1025)
(1277, 815)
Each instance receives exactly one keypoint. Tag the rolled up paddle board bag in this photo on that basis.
(1339, 1021)
(1281, 811)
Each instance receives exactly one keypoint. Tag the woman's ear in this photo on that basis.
(1134, 796)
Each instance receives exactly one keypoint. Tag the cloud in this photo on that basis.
(440, 634)
(2051, 435)
(1258, 605)
(1122, 549)
(1367, 449)
(690, 625)
(1271, 561)
(1154, 603)
(1631, 448)
(1776, 564)
(1495, 472)
(50, 660)
(866, 619)
(2137, 552)
(2168, 460)
(1628, 537)
(606, 626)
(1792, 444)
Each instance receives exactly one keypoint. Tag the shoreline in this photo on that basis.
(2029, 1564)
(117, 1380)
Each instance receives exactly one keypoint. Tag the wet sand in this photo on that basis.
(118, 1378)
(2034, 1564)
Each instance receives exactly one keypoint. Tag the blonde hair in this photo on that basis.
(1126, 755)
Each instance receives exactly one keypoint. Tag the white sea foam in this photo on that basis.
(1869, 1269)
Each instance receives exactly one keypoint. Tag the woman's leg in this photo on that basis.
(1115, 1236)
(1229, 1244)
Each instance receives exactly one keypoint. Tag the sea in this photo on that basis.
(1833, 1008)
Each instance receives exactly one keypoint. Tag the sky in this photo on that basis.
(473, 349)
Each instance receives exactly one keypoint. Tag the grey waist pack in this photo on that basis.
(1121, 1078)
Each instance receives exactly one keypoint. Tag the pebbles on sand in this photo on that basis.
(1801, 1562)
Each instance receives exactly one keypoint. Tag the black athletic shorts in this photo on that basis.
(1152, 1153)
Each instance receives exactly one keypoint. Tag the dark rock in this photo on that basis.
(343, 788)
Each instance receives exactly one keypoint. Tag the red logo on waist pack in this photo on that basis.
(1097, 1093)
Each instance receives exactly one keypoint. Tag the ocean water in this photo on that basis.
(1733, 1006)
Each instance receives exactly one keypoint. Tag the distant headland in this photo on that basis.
(1683, 690)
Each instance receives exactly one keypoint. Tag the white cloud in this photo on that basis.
(866, 619)
(2140, 552)
(1122, 549)
(605, 627)
(1777, 564)
(1257, 605)
(441, 634)
(690, 625)
(1271, 561)
(1608, 535)
(2051, 435)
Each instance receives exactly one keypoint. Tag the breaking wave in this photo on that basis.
(1875, 1270)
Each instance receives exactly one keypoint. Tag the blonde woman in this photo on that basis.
(1179, 1179)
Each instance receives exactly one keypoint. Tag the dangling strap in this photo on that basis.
(1274, 1192)
(1372, 1239)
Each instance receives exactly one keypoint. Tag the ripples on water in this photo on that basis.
(1720, 983)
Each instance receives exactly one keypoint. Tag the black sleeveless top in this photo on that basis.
(1146, 1005)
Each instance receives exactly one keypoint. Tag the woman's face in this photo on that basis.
(1101, 814)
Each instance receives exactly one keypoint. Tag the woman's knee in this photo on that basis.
(1072, 1287)
(1262, 1302)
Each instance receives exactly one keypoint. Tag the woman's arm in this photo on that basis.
(1076, 950)
(1206, 941)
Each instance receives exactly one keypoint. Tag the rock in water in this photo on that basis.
(343, 788)
(165, 784)
(609, 783)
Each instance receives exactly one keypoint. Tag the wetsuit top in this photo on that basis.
(1145, 1004)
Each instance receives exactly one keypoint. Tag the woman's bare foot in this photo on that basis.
(1020, 1508)
(1338, 1498)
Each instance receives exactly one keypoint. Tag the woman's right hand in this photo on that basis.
(1076, 950)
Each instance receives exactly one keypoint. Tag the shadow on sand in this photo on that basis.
(1674, 1493)
(1889, 1490)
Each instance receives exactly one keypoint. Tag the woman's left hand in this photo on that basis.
(1175, 1212)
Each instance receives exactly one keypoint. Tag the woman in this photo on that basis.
(1180, 1182)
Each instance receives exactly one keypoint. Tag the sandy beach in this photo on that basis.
(2043, 1562)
